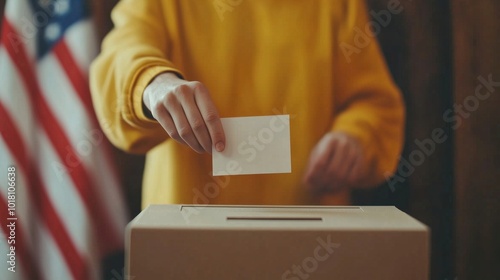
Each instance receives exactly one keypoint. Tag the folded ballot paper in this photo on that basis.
(254, 145)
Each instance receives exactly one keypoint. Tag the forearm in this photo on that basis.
(377, 122)
(120, 75)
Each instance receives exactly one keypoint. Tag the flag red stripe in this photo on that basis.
(21, 252)
(67, 154)
(77, 79)
(75, 262)
(81, 86)
(8, 129)
(39, 197)
(79, 175)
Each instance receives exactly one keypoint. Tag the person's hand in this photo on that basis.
(186, 111)
(334, 164)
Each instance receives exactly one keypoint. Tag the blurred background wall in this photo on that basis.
(437, 52)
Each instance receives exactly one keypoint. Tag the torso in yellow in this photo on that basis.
(256, 57)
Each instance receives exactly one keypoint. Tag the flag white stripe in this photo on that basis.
(24, 207)
(64, 103)
(14, 97)
(22, 17)
(82, 43)
(51, 262)
(62, 194)
(86, 140)
(109, 190)
(24, 213)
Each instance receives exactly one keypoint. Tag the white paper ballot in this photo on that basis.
(254, 145)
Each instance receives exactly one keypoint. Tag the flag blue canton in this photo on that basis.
(53, 18)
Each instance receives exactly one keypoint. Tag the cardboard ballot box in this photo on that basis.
(276, 242)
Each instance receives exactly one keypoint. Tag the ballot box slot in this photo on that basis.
(274, 219)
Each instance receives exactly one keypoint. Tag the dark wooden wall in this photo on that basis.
(435, 50)
(477, 146)
(417, 46)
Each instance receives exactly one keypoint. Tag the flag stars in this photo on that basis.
(52, 32)
(58, 17)
(55, 7)
(61, 7)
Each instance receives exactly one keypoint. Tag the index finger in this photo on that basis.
(211, 117)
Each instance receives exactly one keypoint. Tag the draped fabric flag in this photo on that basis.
(61, 207)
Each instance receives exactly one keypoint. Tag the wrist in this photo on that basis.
(162, 78)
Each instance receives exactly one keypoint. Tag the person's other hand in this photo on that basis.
(186, 111)
(334, 164)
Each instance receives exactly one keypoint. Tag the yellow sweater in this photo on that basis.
(256, 57)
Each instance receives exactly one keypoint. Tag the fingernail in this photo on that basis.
(219, 147)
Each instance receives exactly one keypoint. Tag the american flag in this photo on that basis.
(60, 199)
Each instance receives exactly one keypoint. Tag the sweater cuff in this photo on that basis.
(358, 130)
